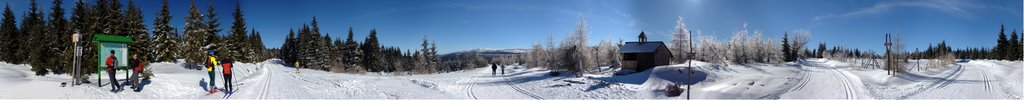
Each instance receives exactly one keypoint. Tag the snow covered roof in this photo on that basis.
(637, 47)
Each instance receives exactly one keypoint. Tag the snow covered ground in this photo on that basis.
(806, 79)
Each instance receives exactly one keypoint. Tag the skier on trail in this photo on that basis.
(210, 63)
(296, 66)
(503, 69)
(111, 70)
(494, 68)
(138, 67)
(226, 66)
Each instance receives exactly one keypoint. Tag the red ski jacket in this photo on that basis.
(111, 62)
(227, 67)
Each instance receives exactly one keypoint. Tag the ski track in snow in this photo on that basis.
(520, 90)
(850, 94)
(469, 89)
(265, 89)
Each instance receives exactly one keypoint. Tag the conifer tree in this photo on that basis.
(136, 29)
(1014, 46)
(371, 53)
(786, 49)
(216, 41)
(352, 53)
(34, 28)
(287, 49)
(196, 40)
(166, 39)
(999, 52)
(316, 46)
(304, 53)
(237, 41)
(60, 38)
(256, 47)
(9, 32)
(83, 21)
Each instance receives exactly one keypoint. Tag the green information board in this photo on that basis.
(107, 43)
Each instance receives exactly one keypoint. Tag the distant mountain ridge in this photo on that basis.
(486, 53)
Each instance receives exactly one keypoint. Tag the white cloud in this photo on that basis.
(956, 7)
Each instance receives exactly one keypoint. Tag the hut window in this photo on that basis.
(629, 56)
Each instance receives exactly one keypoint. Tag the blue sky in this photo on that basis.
(468, 24)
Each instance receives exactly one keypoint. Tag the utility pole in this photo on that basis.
(888, 55)
(689, 66)
(75, 70)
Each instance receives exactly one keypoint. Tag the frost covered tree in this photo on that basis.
(711, 50)
(607, 53)
(799, 42)
(165, 41)
(680, 41)
(536, 56)
(425, 58)
(747, 48)
(577, 56)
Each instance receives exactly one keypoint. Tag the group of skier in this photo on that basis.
(211, 64)
(138, 67)
(134, 63)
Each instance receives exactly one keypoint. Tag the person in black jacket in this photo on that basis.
(494, 69)
(137, 68)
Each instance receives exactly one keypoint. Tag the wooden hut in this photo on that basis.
(643, 55)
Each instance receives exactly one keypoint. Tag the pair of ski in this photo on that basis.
(227, 93)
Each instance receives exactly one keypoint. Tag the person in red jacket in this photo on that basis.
(111, 70)
(137, 67)
(226, 66)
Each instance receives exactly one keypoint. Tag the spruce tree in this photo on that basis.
(9, 32)
(166, 39)
(83, 21)
(110, 17)
(789, 53)
(325, 52)
(371, 53)
(287, 49)
(999, 52)
(59, 38)
(238, 39)
(34, 28)
(136, 29)
(196, 40)
(217, 41)
(318, 45)
(1014, 45)
(352, 53)
(304, 53)
(258, 48)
